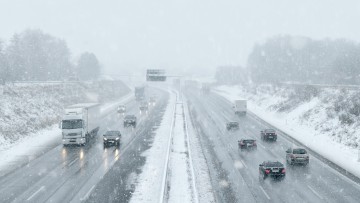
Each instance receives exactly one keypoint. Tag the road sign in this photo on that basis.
(155, 75)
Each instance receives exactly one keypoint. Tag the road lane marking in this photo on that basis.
(261, 145)
(88, 193)
(35, 193)
(262, 189)
(71, 163)
(243, 163)
(317, 194)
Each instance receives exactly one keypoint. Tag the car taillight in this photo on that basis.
(283, 171)
(307, 157)
(254, 143)
(292, 156)
(267, 171)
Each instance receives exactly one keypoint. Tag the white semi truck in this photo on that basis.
(80, 123)
(240, 107)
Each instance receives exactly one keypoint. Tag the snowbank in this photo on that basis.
(312, 120)
(28, 108)
(149, 182)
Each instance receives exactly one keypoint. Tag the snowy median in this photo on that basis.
(169, 174)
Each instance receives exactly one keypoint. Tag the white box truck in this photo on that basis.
(80, 123)
(240, 107)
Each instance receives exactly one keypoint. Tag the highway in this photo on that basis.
(235, 174)
(97, 174)
(91, 173)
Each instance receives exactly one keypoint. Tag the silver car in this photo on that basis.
(297, 156)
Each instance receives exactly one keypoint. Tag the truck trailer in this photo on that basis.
(80, 123)
(140, 93)
(240, 107)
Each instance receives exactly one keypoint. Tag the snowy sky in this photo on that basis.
(180, 34)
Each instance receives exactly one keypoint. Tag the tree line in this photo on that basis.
(303, 60)
(33, 55)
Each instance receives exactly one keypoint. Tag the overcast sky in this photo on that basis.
(190, 35)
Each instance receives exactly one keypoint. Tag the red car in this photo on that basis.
(247, 144)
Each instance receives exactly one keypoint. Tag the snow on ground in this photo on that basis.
(184, 163)
(149, 182)
(28, 108)
(307, 121)
(202, 175)
(15, 153)
(180, 179)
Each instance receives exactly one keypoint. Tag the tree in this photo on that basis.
(301, 59)
(34, 55)
(3, 64)
(88, 67)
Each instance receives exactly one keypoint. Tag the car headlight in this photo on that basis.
(117, 138)
(105, 138)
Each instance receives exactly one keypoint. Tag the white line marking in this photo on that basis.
(317, 194)
(71, 163)
(88, 193)
(243, 163)
(196, 198)
(262, 189)
(163, 185)
(261, 145)
(35, 193)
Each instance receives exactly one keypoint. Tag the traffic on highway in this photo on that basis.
(205, 101)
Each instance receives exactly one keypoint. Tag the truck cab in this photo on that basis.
(79, 123)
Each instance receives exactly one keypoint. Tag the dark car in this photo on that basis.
(297, 156)
(232, 125)
(144, 106)
(152, 101)
(130, 120)
(268, 135)
(112, 137)
(247, 144)
(272, 169)
(121, 109)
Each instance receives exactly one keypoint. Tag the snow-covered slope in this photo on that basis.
(28, 108)
(326, 120)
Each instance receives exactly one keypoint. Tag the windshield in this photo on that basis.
(112, 133)
(299, 151)
(72, 124)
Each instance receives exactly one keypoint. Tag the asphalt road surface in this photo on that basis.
(92, 172)
(235, 175)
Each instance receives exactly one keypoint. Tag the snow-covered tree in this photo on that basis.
(88, 67)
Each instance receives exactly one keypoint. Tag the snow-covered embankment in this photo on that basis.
(313, 121)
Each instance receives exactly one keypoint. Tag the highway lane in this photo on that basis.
(119, 183)
(61, 174)
(316, 183)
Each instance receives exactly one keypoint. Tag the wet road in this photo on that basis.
(70, 174)
(235, 174)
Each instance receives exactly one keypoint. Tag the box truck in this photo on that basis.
(80, 123)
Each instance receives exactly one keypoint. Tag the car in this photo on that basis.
(121, 109)
(144, 106)
(233, 125)
(112, 137)
(273, 169)
(247, 144)
(130, 120)
(297, 155)
(152, 101)
(268, 135)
